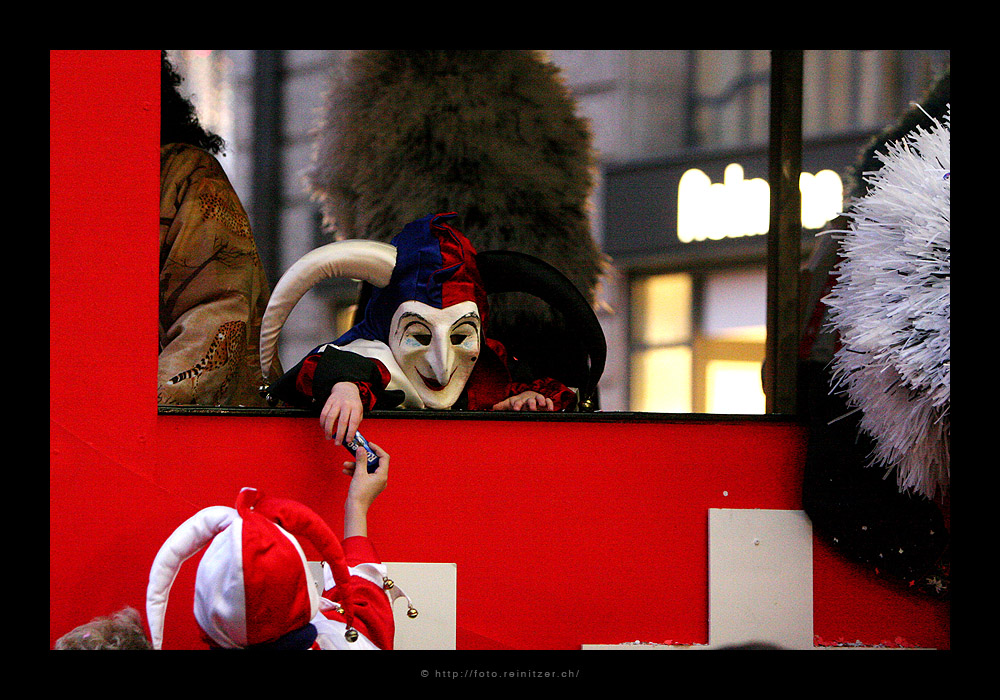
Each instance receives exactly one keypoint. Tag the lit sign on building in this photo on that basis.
(739, 207)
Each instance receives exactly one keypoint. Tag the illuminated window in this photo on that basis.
(698, 342)
(735, 305)
(661, 309)
(661, 328)
(661, 380)
(733, 386)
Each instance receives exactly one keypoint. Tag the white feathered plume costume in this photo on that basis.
(891, 307)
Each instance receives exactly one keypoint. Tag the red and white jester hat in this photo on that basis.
(253, 585)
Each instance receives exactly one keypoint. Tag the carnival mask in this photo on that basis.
(436, 348)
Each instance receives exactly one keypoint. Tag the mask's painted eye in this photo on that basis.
(422, 338)
(463, 331)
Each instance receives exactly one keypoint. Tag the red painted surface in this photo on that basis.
(564, 532)
(549, 522)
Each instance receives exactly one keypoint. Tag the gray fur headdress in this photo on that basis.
(490, 134)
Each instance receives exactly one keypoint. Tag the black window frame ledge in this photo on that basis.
(538, 416)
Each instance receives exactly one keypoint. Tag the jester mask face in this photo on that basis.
(436, 348)
(432, 312)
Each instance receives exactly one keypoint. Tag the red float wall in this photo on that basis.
(565, 532)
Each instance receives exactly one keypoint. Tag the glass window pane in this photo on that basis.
(734, 387)
(661, 309)
(661, 380)
(736, 305)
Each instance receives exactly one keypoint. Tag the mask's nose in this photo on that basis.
(441, 358)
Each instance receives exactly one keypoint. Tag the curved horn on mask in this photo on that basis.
(369, 261)
(512, 271)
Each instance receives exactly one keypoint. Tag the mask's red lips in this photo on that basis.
(433, 384)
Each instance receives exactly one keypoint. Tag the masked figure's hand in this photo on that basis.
(342, 412)
(525, 401)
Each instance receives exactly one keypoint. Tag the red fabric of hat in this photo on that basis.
(306, 525)
(276, 586)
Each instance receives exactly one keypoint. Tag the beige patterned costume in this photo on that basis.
(212, 287)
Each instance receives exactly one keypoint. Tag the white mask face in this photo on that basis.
(436, 348)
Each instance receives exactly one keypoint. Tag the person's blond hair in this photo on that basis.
(121, 630)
